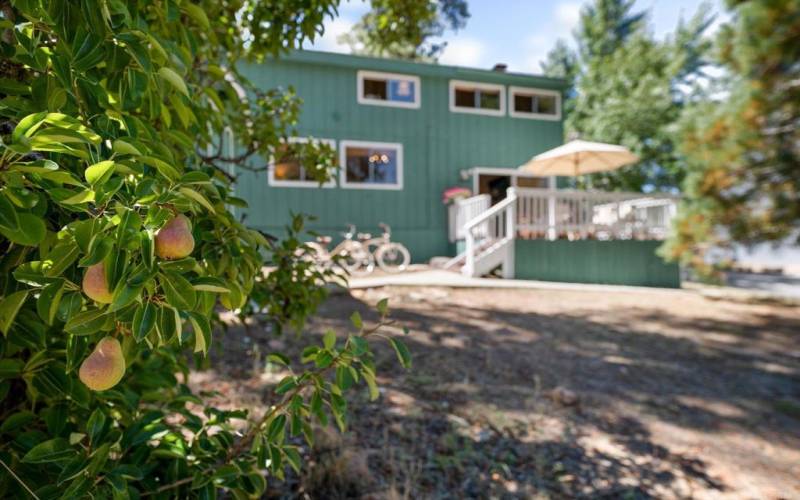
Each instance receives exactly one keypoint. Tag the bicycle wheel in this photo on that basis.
(355, 259)
(393, 257)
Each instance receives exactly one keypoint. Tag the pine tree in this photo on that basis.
(625, 89)
(743, 148)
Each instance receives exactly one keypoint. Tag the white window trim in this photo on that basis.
(362, 74)
(343, 145)
(272, 181)
(512, 91)
(480, 86)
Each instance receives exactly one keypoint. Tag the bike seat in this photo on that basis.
(364, 236)
(324, 239)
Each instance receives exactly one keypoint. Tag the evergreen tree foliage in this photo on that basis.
(742, 144)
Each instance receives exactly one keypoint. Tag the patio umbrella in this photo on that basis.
(578, 158)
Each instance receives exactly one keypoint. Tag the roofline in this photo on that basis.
(422, 68)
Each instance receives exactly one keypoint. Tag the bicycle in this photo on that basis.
(350, 254)
(392, 257)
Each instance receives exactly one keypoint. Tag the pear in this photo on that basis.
(175, 240)
(104, 367)
(95, 284)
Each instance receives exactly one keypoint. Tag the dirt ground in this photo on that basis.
(545, 394)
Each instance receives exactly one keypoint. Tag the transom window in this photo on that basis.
(535, 103)
(388, 89)
(478, 98)
(286, 168)
(371, 165)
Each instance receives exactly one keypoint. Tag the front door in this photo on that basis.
(494, 185)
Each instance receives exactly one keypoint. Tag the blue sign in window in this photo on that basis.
(401, 90)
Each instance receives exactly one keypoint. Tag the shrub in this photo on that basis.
(111, 113)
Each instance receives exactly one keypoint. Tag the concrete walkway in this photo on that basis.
(424, 276)
(440, 277)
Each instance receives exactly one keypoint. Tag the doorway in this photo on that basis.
(494, 185)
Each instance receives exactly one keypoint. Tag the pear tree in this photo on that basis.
(119, 250)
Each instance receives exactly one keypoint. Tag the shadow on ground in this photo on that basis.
(524, 393)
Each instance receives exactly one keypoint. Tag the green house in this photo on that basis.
(435, 124)
(405, 132)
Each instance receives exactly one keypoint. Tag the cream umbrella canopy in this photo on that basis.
(578, 158)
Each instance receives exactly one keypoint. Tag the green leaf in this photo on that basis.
(323, 359)
(49, 300)
(85, 196)
(369, 378)
(125, 148)
(403, 355)
(144, 319)
(286, 384)
(60, 257)
(9, 307)
(99, 172)
(276, 428)
(202, 332)
(278, 358)
(124, 294)
(178, 291)
(161, 166)
(199, 198)
(8, 214)
(355, 318)
(86, 322)
(17, 421)
(11, 368)
(54, 450)
(31, 232)
(196, 13)
(210, 284)
(174, 79)
(329, 340)
(99, 247)
(383, 307)
(359, 345)
(95, 425)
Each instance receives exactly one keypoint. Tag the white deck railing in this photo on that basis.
(489, 232)
(552, 214)
(462, 211)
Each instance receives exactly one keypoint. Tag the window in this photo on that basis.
(535, 103)
(286, 170)
(478, 98)
(388, 89)
(371, 165)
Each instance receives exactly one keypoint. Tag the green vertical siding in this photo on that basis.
(589, 261)
(437, 144)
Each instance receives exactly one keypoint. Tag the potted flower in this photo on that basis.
(450, 195)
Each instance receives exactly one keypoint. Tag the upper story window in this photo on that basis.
(388, 89)
(478, 98)
(286, 168)
(535, 103)
(371, 165)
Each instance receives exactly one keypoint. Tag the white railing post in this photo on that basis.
(551, 210)
(511, 234)
(469, 264)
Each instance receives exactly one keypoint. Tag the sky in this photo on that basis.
(518, 33)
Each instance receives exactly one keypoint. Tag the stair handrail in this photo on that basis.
(507, 205)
